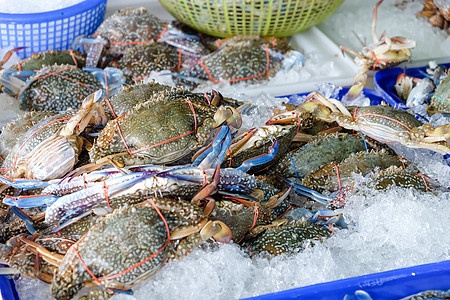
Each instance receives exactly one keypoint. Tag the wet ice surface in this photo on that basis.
(32, 6)
(392, 229)
(355, 16)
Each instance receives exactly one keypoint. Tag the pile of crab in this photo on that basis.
(107, 179)
(97, 200)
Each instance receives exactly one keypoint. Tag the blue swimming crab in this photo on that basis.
(127, 28)
(136, 137)
(50, 148)
(125, 248)
(440, 102)
(250, 59)
(383, 123)
(384, 53)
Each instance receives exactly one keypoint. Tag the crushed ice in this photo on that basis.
(32, 6)
(355, 17)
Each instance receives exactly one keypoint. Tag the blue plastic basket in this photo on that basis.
(50, 30)
(388, 285)
(384, 82)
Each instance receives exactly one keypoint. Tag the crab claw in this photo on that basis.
(261, 159)
(227, 114)
(23, 183)
(217, 230)
(30, 201)
(24, 217)
(214, 153)
(93, 47)
(209, 188)
(302, 190)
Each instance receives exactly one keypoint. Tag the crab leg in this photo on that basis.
(316, 196)
(23, 216)
(23, 183)
(374, 22)
(215, 153)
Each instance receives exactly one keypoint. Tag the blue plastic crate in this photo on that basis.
(384, 83)
(50, 30)
(388, 285)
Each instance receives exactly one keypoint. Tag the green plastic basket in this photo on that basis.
(225, 18)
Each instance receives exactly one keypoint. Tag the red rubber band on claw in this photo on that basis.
(99, 280)
(2, 158)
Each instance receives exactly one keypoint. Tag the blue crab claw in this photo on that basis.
(92, 46)
(111, 79)
(331, 217)
(30, 201)
(125, 292)
(214, 153)
(72, 205)
(261, 159)
(23, 216)
(23, 183)
(316, 196)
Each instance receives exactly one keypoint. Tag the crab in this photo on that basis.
(136, 137)
(12, 132)
(322, 149)
(384, 123)
(242, 58)
(58, 135)
(127, 28)
(288, 237)
(139, 61)
(50, 57)
(437, 12)
(333, 176)
(440, 102)
(127, 247)
(34, 256)
(384, 53)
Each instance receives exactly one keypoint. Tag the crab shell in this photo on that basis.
(139, 61)
(161, 130)
(48, 58)
(13, 131)
(58, 88)
(288, 238)
(402, 178)
(121, 240)
(50, 148)
(321, 150)
(128, 27)
(251, 59)
(440, 102)
(332, 176)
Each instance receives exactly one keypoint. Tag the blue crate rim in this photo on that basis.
(31, 18)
